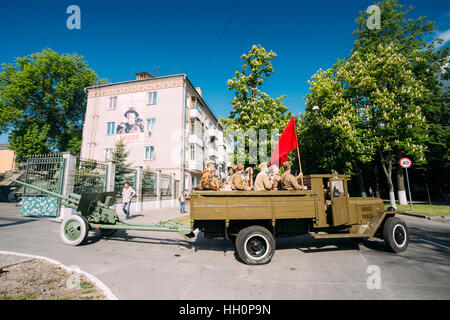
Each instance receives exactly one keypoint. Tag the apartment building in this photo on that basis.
(164, 122)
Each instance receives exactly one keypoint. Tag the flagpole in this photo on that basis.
(300, 165)
(298, 153)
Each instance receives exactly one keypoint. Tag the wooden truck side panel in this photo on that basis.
(252, 205)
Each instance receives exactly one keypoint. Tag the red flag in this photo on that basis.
(287, 143)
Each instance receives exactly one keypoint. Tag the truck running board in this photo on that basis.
(339, 235)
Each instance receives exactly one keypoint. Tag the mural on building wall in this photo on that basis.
(131, 129)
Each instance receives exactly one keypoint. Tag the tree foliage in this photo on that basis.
(253, 109)
(45, 90)
(119, 157)
(383, 102)
(29, 140)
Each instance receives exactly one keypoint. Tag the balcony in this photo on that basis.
(193, 138)
(212, 133)
(212, 153)
(196, 114)
(194, 165)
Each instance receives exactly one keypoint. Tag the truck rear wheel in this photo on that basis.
(255, 245)
(395, 235)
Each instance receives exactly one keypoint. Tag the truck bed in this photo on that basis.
(253, 205)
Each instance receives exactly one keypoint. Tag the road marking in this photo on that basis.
(436, 244)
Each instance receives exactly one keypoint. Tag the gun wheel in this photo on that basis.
(74, 230)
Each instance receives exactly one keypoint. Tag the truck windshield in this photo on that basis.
(337, 188)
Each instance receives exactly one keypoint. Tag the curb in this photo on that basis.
(416, 215)
(108, 293)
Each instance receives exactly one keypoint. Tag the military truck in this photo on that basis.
(253, 219)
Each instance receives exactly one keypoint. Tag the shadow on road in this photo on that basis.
(14, 221)
(123, 236)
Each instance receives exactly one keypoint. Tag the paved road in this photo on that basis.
(153, 265)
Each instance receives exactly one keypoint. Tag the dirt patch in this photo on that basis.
(41, 280)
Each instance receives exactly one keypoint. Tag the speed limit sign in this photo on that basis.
(405, 163)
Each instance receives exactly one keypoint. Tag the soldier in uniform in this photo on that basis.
(209, 181)
(276, 178)
(227, 183)
(237, 182)
(288, 181)
(262, 181)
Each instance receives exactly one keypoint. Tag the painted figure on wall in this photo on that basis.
(132, 123)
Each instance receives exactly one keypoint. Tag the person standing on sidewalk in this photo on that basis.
(182, 199)
(127, 193)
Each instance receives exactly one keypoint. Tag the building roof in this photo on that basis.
(156, 78)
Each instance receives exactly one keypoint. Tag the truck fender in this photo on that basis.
(379, 226)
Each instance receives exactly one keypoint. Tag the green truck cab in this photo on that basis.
(253, 219)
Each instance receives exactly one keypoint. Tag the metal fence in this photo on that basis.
(90, 176)
(46, 172)
(149, 185)
(166, 186)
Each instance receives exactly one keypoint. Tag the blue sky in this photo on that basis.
(203, 39)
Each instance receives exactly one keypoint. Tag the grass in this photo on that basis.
(21, 297)
(424, 209)
(182, 220)
(86, 285)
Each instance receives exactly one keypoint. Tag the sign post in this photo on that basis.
(406, 163)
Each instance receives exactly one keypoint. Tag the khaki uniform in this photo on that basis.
(237, 182)
(276, 182)
(262, 182)
(209, 182)
(288, 182)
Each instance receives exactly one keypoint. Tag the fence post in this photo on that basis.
(68, 182)
(174, 195)
(111, 176)
(158, 189)
(138, 189)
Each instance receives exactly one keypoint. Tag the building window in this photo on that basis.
(192, 151)
(108, 154)
(194, 103)
(112, 103)
(150, 124)
(150, 153)
(152, 97)
(110, 128)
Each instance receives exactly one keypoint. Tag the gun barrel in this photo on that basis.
(39, 189)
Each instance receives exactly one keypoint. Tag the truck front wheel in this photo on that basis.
(255, 245)
(395, 235)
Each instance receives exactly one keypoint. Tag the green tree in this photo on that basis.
(119, 157)
(29, 140)
(383, 102)
(334, 136)
(409, 36)
(368, 105)
(45, 89)
(253, 109)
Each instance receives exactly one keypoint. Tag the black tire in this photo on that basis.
(108, 232)
(395, 235)
(12, 197)
(255, 245)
